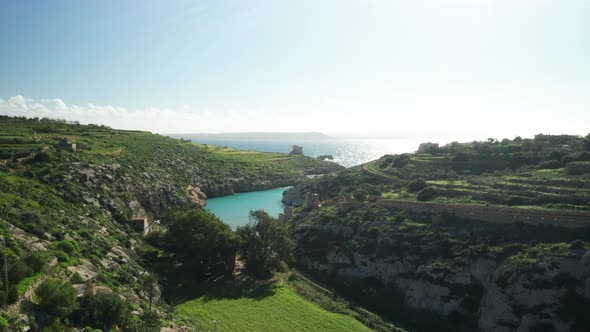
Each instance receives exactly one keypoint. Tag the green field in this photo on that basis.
(276, 309)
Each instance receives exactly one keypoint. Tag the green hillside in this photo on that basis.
(464, 237)
(282, 309)
(71, 197)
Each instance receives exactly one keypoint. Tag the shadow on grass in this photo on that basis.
(226, 288)
(179, 286)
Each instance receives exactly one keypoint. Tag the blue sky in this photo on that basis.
(420, 67)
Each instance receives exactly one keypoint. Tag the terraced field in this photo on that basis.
(527, 186)
(539, 188)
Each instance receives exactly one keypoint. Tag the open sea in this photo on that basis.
(346, 152)
(234, 209)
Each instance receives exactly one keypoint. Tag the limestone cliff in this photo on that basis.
(473, 275)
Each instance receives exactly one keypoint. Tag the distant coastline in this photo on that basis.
(261, 136)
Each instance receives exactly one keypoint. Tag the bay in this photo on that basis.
(234, 209)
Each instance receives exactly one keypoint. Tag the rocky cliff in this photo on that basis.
(469, 275)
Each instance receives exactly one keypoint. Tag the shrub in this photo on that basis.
(577, 167)
(3, 324)
(77, 278)
(577, 245)
(461, 156)
(42, 157)
(402, 160)
(427, 194)
(62, 257)
(150, 322)
(549, 164)
(360, 194)
(57, 297)
(416, 185)
(17, 271)
(68, 246)
(106, 309)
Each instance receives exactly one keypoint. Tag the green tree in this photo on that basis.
(266, 245)
(57, 297)
(149, 322)
(427, 194)
(586, 143)
(461, 156)
(416, 185)
(402, 160)
(106, 309)
(202, 242)
(150, 285)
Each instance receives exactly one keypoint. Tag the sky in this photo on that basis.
(459, 68)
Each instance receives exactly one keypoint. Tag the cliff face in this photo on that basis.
(456, 271)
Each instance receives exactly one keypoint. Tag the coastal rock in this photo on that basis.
(325, 157)
(197, 196)
(296, 196)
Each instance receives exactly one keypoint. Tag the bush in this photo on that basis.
(17, 271)
(57, 297)
(150, 322)
(68, 246)
(416, 185)
(402, 160)
(577, 167)
(427, 194)
(577, 245)
(461, 156)
(62, 257)
(549, 164)
(42, 157)
(106, 309)
(77, 278)
(3, 324)
(360, 194)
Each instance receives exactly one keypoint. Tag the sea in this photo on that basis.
(234, 209)
(346, 152)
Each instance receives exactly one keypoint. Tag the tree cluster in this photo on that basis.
(201, 242)
(265, 245)
(207, 248)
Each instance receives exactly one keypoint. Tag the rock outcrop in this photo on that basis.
(495, 292)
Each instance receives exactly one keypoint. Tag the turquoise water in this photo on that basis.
(234, 209)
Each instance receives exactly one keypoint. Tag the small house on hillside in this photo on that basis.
(144, 226)
(140, 224)
(428, 148)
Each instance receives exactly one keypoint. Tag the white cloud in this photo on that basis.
(456, 115)
(166, 120)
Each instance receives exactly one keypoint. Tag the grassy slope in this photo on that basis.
(49, 197)
(283, 310)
